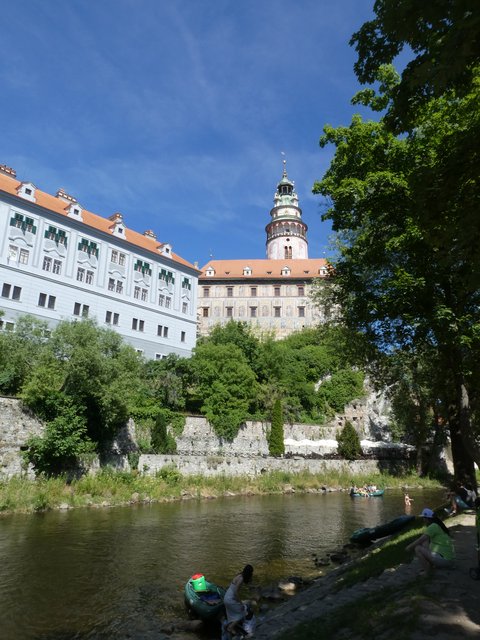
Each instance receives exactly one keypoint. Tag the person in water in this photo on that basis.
(434, 548)
(233, 605)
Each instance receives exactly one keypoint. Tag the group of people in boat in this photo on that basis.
(366, 490)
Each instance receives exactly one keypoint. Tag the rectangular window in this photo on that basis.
(253, 312)
(142, 267)
(165, 332)
(186, 284)
(80, 274)
(42, 299)
(89, 277)
(16, 293)
(301, 312)
(182, 336)
(111, 284)
(276, 291)
(81, 310)
(205, 312)
(159, 330)
(23, 223)
(166, 276)
(276, 312)
(253, 292)
(56, 235)
(111, 318)
(301, 291)
(85, 310)
(47, 264)
(206, 292)
(119, 287)
(77, 308)
(114, 256)
(57, 267)
(136, 293)
(229, 292)
(13, 252)
(121, 259)
(6, 290)
(144, 295)
(51, 302)
(229, 311)
(184, 307)
(168, 302)
(138, 325)
(161, 299)
(88, 247)
(23, 259)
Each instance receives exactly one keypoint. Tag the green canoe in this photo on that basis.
(206, 604)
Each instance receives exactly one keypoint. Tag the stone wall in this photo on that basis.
(16, 426)
(243, 466)
(201, 451)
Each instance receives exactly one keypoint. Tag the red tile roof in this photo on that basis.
(52, 203)
(266, 269)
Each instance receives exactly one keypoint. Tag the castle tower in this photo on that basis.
(286, 232)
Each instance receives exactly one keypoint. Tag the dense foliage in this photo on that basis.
(84, 382)
(405, 209)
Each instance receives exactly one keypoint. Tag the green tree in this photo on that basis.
(87, 370)
(19, 350)
(348, 442)
(276, 446)
(64, 441)
(226, 385)
(407, 273)
(444, 38)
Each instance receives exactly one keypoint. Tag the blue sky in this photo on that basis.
(176, 112)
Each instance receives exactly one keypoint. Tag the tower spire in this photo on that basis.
(286, 232)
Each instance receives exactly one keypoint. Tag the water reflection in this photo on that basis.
(93, 574)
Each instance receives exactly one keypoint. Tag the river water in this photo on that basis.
(119, 573)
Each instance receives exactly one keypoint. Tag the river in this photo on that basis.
(93, 574)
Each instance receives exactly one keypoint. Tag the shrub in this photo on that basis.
(276, 445)
(161, 440)
(348, 442)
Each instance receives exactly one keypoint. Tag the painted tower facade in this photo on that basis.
(286, 232)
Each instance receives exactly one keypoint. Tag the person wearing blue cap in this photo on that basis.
(434, 548)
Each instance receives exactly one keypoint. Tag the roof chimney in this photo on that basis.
(116, 217)
(8, 171)
(150, 234)
(63, 195)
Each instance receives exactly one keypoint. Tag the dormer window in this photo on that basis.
(210, 272)
(27, 190)
(118, 227)
(286, 271)
(165, 249)
(247, 271)
(74, 210)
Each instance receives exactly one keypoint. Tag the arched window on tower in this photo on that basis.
(288, 253)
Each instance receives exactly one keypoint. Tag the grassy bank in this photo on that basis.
(110, 488)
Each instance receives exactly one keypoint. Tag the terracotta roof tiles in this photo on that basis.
(305, 269)
(60, 206)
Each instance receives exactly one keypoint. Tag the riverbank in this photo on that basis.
(392, 603)
(112, 488)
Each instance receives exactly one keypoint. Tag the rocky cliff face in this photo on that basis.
(17, 424)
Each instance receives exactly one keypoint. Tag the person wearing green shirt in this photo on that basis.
(434, 548)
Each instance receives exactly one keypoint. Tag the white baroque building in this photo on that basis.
(59, 261)
(271, 295)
